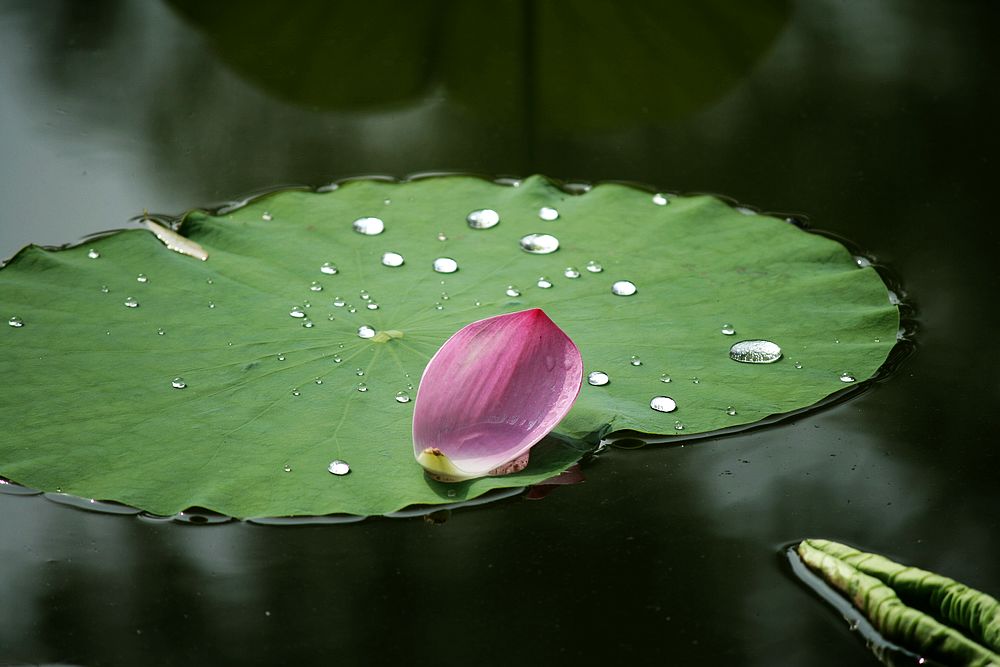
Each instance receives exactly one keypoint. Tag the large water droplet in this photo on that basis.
(315, 287)
(365, 331)
(371, 305)
(130, 302)
(297, 312)
(594, 267)
(328, 268)
(660, 199)
(93, 254)
(338, 467)
(392, 259)
(539, 244)
(623, 288)
(402, 397)
(544, 283)
(548, 213)
(512, 291)
(847, 376)
(142, 278)
(483, 218)
(445, 265)
(663, 404)
(755, 352)
(598, 378)
(338, 302)
(571, 272)
(178, 383)
(368, 226)
(16, 322)
(728, 330)
(635, 360)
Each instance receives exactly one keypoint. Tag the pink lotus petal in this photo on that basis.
(493, 390)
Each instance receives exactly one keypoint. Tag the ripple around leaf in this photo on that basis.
(92, 414)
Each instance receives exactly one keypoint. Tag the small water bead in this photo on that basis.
(894, 298)
(544, 283)
(297, 312)
(307, 323)
(281, 357)
(847, 377)
(660, 199)
(878, 340)
(15, 322)
(392, 259)
(296, 392)
(266, 217)
(328, 268)
(798, 364)
(359, 372)
(441, 236)
(444, 296)
(178, 383)
(445, 265)
(210, 281)
(635, 360)
(337, 358)
(362, 387)
(696, 380)
(728, 330)
(755, 352)
(678, 426)
(745, 210)
(598, 378)
(663, 404)
(331, 317)
(665, 378)
(371, 305)
(731, 411)
(539, 244)
(318, 380)
(160, 331)
(365, 331)
(862, 262)
(130, 302)
(548, 213)
(402, 397)
(338, 302)
(571, 272)
(286, 468)
(352, 309)
(477, 303)
(512, 291)
(104, 288)
(623, 288)
(142, 278)
(315, 287)
(484, 218)
(338, 467)
(438, 306)
(211, 304)
(364, 295)
(93, 254)
(368, 226)
(594, 267)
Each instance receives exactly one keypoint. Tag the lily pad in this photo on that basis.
(91, 403)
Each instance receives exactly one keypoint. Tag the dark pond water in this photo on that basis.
(877, 119)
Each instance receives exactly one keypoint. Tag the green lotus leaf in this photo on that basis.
(89, 407)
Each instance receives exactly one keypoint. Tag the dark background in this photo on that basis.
(875, 119)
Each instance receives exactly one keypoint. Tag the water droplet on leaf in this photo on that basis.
(623, 288)
(338, 302)
(371, 305)
(731, 411)
(328, 268)
(338, 467)
(142, 278)
(665, 378)
(286, 468)
(635, 360)
(663, 404)
(93, 254)
(392, 259)
(365, 331)
(512, 291)
(359, 372)
(483, 218)
(728, 330)
(571, 272)
(104, 288)
(847, 376)
(402, 397)
(297, 312)
(16, 322)
(544, 283)
(160, 331)
(130, 302)
(296, 392)
(337, 358)
(539, 244)
(695, 380)
(445, 265)
(441, 236)
(660, 199)
(266, 217)
(678, 426)
(307, 323)
(368, 226)
(598, 378)
(798, 364)
(281, 357)
(755, 352)
(362, 387)
(315, 287)
(178, 383)
(594, 267)
(548, 213)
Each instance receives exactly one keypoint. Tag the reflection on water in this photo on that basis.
(874, 119)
